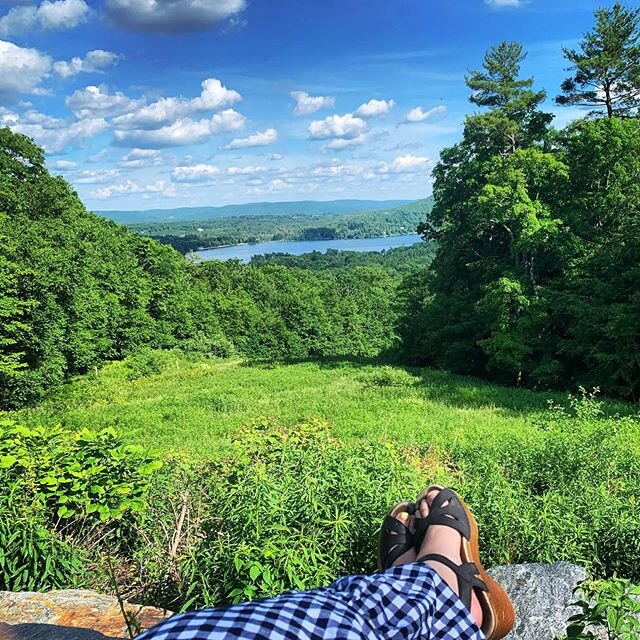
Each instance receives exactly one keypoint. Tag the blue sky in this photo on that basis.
(167, 103)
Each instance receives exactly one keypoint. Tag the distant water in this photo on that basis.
(244, 252)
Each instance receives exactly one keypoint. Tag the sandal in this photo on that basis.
(498, 616)
(395, 537)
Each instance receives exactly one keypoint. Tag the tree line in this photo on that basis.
(76, 289)
(536, 277)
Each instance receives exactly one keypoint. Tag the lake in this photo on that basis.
(244, 252)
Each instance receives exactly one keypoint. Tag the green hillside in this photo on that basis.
(303, 207)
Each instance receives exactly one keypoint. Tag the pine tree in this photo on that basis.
(606, 67)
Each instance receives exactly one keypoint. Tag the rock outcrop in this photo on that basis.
(75, 614)
(541, 595)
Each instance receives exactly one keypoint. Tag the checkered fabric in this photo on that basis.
(408, 602)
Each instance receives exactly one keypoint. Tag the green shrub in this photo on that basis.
(607, 606)
(209, 346)
(291, 508)
(568, 494)
(390, 377)
(57, 489)
(144, 364)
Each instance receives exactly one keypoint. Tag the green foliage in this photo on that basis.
(390, 377)
(396, 261)
(143, 364)
(77, 289)
(34, 559)
(208, 346)
(77, 477)
(293, 507)
(606, 68)
(57, 488)
(609, 606)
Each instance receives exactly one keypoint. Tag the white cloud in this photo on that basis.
(99, 176)
(258, 139)
(184, 131)
(500, 4)
(21, 70)
(405, 164)
(273, 186)
(196, 173)
(164, 111)
(137, 158)
(346, 127)
(64, 165)
(374, 108)
(128, 187)
(277, 156)
(56, 135)
(306, 104)
(94, 61)
(96, 100)
(49, 16)
(418, 115)
(171, 16)
(245, 171)
(338, 144)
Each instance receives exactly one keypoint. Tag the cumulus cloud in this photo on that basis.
(306, 104)
(195, 173)
(214, 96)
(258, 139)
(96, 100)
(171, 16)
(184, 131)
(94, 61)
(63, 165)
(54, 134)
(346, 127)
(49, 16)
(21, 70)
(500, 4)
(418, 115)
(98, 176)
(405, 164)
(128, 187)
(137, 158)
(374, 108)
(338, 144)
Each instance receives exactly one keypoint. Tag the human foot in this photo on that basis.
(396, 544)
(445, 541)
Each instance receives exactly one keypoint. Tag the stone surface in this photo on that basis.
(72, 608)
(541, 594)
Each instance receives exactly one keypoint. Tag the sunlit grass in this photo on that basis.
(194, 405)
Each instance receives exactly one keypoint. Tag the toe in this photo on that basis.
(423, 508)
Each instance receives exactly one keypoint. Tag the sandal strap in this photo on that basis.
(466, 573)
(395, 540)
(452, 515)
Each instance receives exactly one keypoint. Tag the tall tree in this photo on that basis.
(606, 67)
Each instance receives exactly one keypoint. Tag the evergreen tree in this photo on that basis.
(606, 67)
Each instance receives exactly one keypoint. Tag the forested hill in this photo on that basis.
(192, 235)
(302, 208)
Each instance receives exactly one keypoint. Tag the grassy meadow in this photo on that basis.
(192, 405)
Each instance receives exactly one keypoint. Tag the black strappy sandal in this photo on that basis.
(498, 616)
(395, 537)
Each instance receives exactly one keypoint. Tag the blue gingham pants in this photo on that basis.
(408, 602)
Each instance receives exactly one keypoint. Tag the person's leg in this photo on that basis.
(409, 601)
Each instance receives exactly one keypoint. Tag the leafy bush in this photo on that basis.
(291, 508)
(609, 606)
(569, 494)
(57, 487)
(143, 364)
(209, 346)
(390, 377)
